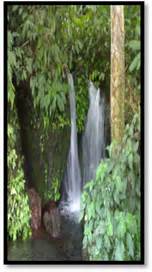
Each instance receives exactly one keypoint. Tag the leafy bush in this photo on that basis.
(111, 202)
(18, 204)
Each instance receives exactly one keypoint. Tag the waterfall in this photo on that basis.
(72, 179)
(92, 148)
(93, 138)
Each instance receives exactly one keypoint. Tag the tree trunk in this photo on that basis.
(117, 73)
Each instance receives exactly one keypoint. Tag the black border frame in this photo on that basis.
(142, 222)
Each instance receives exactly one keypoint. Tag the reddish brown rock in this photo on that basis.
(35, 205)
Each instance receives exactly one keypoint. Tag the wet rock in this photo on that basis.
(35, 205)
(51, 219)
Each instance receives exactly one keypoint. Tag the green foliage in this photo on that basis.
(46, 38)
(18, 212)
(18, 204)
(134, 45)
(132, 59)
(11, 65)
(50, 95)
(135, 65)
(53, 192)
(132, 26)
(110, 204)
(81, 103)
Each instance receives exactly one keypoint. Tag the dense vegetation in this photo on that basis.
(111, 202)
(18, 207)
(43, 41)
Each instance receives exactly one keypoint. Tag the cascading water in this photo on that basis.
(93, 146)
(93, 143)
(72, 179)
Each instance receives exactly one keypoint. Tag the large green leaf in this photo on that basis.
(135, 65)
(130, 245)
(119, 251)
